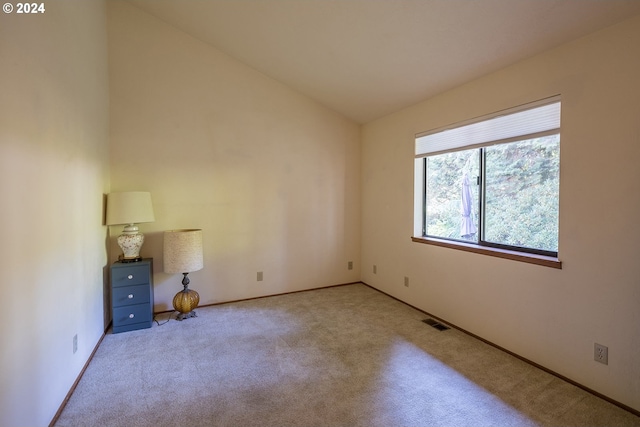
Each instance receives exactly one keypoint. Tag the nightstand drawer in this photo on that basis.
(130, 275)
(129, 295)
(130, 314)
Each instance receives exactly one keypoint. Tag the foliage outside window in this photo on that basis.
(498, 190)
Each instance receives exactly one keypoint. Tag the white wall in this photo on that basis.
(53, 177)
(270, 176)
(552, 317)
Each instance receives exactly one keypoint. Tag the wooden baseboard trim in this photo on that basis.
(75, 383)
(265, 296)
(517, 356)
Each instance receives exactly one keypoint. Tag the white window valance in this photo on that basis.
(527, 121)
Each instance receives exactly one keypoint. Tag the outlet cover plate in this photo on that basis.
(601, 353)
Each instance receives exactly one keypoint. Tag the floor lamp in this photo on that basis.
(183, 254)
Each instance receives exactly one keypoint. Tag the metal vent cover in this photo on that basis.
(433, 323)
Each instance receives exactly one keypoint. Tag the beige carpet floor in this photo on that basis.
(342, 356)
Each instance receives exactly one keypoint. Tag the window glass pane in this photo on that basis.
(449, 214)
(522, 193)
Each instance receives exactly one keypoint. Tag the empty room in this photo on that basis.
(320, 212)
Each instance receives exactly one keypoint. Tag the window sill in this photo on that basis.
(500, 253)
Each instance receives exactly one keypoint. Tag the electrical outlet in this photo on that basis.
(406, 281)
(350, 265)
(259, 276)
(75, 343)
(375, 269)
(601, 353)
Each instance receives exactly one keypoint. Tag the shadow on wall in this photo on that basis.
(106, 291)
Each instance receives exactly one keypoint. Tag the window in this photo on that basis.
(493, 182)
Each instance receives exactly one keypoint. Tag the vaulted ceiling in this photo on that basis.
(369, 58)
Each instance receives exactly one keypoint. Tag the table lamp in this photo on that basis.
(129, 208)
(182, 253)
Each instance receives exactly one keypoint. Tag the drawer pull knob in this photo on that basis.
(131, 316)
(130, 276)
(130, 296)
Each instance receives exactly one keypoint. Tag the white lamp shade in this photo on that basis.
(183, 251)
(129, 207)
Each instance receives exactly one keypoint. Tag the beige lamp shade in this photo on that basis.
(129, 207)
(183, 251)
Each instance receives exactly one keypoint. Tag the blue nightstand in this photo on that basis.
(132, 295)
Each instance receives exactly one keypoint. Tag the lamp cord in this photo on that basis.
(160, 324)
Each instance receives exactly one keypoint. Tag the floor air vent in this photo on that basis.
(439, 326)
